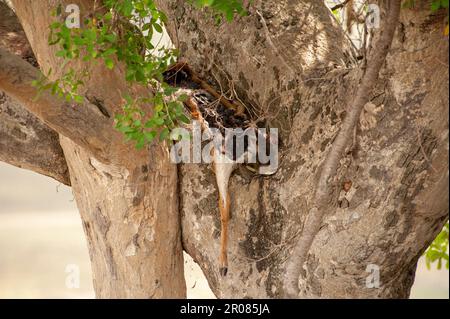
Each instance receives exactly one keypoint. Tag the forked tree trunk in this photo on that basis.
(289, 57)
(288, 61)
(129, 207)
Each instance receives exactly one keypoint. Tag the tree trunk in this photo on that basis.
(303, 73)
(290, 63)
(129, 207)
(21, 130)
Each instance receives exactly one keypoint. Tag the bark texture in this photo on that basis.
(324, 189)
(84, 124)
(290, 64)
(126, 198)
(398, 169)
(25, 141)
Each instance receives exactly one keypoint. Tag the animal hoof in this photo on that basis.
(223, 271)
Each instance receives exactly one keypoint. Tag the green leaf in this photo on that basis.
(169, 90)
(183, 118)
(109, 63)
(141, 143)
(127, 9)
(55, 25)
(107, 16)
(79, 99)
(59, 10)
(124, 129)
(110, 38)
(438, 249)
(183, 98)
(164, 134)
(130, 74)
(90, 35)
(150, 136)
(61, 53)
(158, 28)
(109, 51)
(435, 5)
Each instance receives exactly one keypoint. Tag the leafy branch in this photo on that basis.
(122, 32)
(438, 250)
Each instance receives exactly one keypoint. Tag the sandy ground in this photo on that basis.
(42, 245)
(39, 252)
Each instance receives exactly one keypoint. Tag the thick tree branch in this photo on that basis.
(12, 36)
(132, 231)
(84, 124)
(27, 143)
(325, 184)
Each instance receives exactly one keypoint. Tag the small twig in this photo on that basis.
(442, 62)
(204, 85)
(425, 156)
(230, 94)
(364, 47)
(269, 39)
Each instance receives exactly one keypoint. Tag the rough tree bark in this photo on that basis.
(289, 62)
(24, 140)
(303, 70)
(133, 232)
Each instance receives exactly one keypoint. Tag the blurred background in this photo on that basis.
(42, 245)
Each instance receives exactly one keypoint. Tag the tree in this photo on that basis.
(362, 185)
